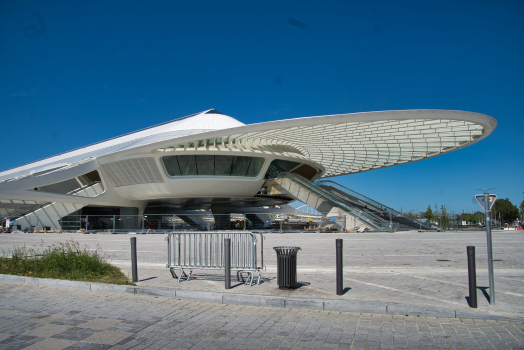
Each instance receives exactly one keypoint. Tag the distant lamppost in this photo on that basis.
(442, 216)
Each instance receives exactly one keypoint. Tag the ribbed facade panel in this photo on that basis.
(133, 171)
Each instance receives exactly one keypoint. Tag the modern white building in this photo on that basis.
(210, 161)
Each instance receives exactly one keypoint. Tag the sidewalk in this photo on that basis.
(36, 318)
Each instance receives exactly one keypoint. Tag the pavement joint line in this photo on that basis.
(463, 284)
(254, 300)
(397, 290)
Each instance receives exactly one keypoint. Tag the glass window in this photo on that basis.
(279, 166)
(255, 166)
(240, 166)
(217, 165)
(205, 164)
(223, 165)
(171, 164)
(187, 165)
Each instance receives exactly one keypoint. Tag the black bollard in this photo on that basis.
(227, 261)
(472, 277)
(340, 285)
(133, 259)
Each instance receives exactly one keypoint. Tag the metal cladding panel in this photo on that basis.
(133, 171)
(61, 187)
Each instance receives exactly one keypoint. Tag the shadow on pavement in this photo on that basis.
(483, 289)
(146, 279)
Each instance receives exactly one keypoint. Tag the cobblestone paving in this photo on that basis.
(33, 317)
(423, 269)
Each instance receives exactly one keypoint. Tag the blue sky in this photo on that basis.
(76, 72)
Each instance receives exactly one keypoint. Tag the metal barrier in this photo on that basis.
(205, 250)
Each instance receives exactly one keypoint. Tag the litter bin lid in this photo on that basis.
(287, 250)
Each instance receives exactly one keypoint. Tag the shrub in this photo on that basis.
(66, 260)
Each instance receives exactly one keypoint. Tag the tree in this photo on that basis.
(472, 218)
(507, 210)
(411, 215)
(479, 217)
(521, 208)
(445, 217)
(436, 216)
(468, 218)
(428, 214)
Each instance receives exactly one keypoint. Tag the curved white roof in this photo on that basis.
(357, 142)
(206, 121)
(342, 144)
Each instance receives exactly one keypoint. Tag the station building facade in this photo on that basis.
(211, 162)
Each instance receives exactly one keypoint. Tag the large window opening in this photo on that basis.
(279, 166)
(213, 165)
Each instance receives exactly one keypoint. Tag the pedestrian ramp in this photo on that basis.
(327, 196)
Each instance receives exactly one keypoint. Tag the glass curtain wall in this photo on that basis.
(213, 165)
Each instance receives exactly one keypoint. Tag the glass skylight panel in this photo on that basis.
(398, 133)
(455, 123)
(416, 123)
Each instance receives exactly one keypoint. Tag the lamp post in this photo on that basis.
(486, 201)
(442, 217)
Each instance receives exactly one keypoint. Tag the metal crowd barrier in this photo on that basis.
(205, 250)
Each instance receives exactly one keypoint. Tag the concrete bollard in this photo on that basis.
(340, 283)
(472, 277)
(227, 262)
(133, 259)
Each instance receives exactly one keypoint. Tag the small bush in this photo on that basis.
(67, 261)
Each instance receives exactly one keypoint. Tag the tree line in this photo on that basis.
(503, 210)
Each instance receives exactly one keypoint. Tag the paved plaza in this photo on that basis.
(401, 269)
(411, 268)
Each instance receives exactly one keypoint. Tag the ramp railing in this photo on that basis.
(205, 250)
(368, 203)
(338, 202)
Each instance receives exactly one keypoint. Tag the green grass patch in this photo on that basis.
(66, 261)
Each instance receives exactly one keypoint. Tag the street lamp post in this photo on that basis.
(486, 201)
(442, 217)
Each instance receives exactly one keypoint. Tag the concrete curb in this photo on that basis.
(256, 300)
